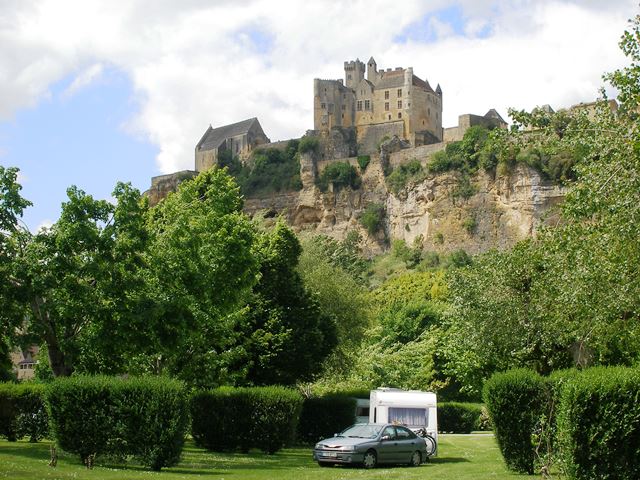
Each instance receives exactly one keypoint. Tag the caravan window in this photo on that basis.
(413, 417)
(362, 411)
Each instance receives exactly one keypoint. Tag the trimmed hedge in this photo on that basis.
(599, 424)
(22, 411)
(243, 418)
(515, 401)
(321, 417)
(456, 417)
(143, 417)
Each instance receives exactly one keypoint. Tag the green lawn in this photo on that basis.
(472, 457)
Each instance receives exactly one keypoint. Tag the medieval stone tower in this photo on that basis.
(385, 103)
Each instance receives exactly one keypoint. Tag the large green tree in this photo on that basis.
(288, 335)
(571, 296)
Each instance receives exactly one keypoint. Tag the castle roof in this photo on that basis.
(395, 79)
(214, 137)
(493, 113)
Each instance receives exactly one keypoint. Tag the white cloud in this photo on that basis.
(44, 225)
(196, 62)
(84, 79)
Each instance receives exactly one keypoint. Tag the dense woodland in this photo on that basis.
(194, 289)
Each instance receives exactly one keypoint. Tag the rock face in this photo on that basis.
(499, 212)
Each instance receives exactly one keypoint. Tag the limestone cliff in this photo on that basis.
(502, 210)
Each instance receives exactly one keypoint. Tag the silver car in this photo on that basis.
(369, 444)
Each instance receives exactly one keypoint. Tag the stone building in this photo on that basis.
(24, 362)
(491, 119)
(385, 103)
(239, 138)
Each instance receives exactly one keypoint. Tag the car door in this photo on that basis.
(407, 443)
(387, 449)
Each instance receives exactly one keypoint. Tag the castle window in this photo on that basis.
(349, 77)
(359, 105)
(386, 94)
(399, 103)
(386, 106)
(429, 111)
(344, 107)
(323, 106)
(399, 92)
(367, 105)
(389, 117)
(399, 114)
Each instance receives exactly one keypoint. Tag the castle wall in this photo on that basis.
(369, 136)
(422, 153)
(322, 164)
(163, 185)
(455, 134)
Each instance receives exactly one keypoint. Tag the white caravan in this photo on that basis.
(412, 408)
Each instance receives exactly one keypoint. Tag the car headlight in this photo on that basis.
(318, 446)
(349, 448)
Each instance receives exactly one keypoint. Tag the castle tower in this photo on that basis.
(353, 73)
(372, 70)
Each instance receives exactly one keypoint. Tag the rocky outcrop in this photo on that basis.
(499, 212)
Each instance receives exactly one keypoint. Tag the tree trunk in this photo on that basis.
(57, 358)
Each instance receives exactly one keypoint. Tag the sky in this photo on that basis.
(93, 92)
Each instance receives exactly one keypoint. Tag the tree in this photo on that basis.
(288, 335)
(80, 276)
(201, 269)
(12, 237)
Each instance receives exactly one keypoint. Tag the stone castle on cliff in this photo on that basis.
(351, 116)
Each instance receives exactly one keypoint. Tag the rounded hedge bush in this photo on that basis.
(599, 424)
(22, 411)
(515, 401)
(143, 417)
(321, 417)
(243, 418)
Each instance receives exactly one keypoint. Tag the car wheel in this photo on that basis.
(416, 459)
(370, 459)
(325, 464)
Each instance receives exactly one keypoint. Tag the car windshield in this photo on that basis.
(362, 431)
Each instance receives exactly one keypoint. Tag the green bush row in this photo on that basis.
(321, 417)
(143, 417)
(243, 418)
(23, 412)
(454, 417)
(589, 421)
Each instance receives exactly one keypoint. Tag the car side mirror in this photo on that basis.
(335, 434)
(386, 438)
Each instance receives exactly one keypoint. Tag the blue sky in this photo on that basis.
(77, 139)
(94, 91)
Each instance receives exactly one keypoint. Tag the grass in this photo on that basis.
(461, 457)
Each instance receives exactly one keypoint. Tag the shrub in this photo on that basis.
(363, 162)
(372, 217)
(599, 424)
(340, 174)
(458, 417)
(273, 170)
(309, 144)
(514, 400)
(22, 411)
(243, 418)
(321, 417)
(143, 417)
(403, 174)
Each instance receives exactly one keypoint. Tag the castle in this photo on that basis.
(385, 103)
(351, 117)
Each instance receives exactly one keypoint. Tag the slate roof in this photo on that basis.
(214, 137)
(395, 79)
(494, 114)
